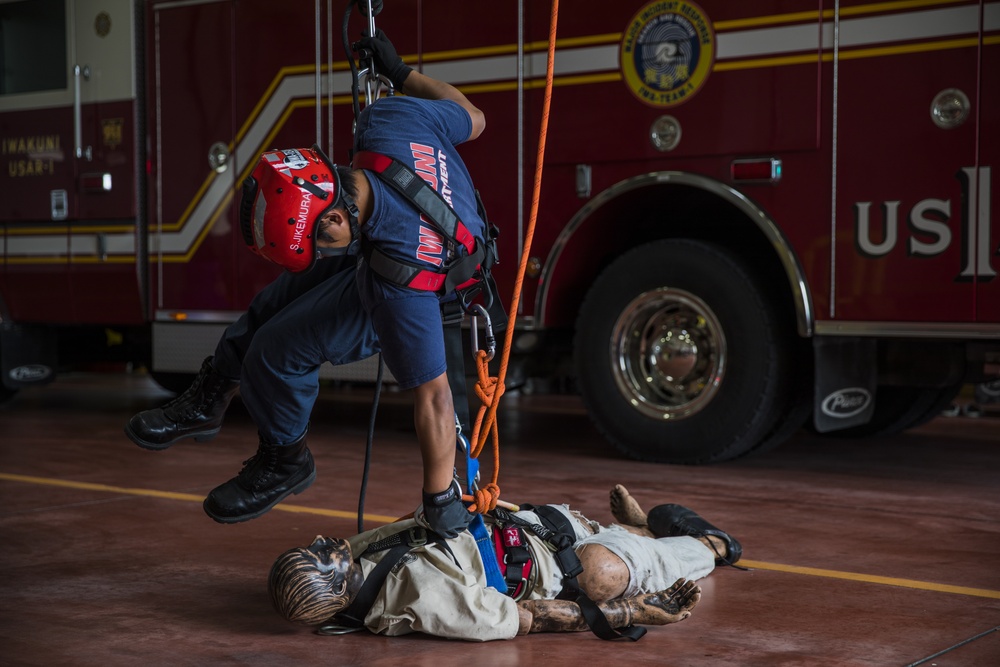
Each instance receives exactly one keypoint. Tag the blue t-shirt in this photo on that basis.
(422, 134)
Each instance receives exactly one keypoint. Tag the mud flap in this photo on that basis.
(845, 382)
(27, 356)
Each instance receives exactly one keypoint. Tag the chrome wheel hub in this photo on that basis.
(668, 353)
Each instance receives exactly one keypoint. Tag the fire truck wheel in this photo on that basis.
(680, 356)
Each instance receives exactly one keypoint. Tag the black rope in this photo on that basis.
(350, 62)
(381, 365)
(368, 446)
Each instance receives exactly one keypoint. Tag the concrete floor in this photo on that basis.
(862, 552)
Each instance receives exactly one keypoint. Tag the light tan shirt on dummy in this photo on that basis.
(427, 592)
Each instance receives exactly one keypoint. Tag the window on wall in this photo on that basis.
(32, 46)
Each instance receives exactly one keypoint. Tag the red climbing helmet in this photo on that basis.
(284, 199)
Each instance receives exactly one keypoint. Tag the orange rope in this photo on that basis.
(490, 389)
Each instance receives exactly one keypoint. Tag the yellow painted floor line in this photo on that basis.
(872, 579)
(756, 565)
(190, 497)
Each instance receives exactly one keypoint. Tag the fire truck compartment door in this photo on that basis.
(105, 284)
(102, 80)
(194, 240)
(36, 123)
(905, 218)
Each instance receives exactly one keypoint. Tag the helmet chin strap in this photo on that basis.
(354, 245)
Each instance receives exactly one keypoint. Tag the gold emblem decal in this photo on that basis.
(111, 132)
(102, 24)
(667, 52)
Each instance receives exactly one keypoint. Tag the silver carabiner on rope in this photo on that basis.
(476, 310)
(373, 80)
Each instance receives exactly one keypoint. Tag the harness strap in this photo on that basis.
(484, 543)
(568, 561)
(418, 192)
(399, 544)
(458, 275)
(564, 536)
(354, 615)
(599, 624)
(517, 558)
(488, 555)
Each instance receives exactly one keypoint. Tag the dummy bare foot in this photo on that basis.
(670, 606)
(626, 509)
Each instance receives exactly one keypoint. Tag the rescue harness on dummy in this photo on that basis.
(509, 554)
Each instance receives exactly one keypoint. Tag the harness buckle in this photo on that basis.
(517, 591)
(416, 536)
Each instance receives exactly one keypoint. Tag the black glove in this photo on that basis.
(387, 62)
(445, 513)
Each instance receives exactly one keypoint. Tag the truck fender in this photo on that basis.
(549, 277)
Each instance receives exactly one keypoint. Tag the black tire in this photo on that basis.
(713, 325)
(790, 420)
(6, 394)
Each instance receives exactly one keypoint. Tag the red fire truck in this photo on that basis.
(754, 215)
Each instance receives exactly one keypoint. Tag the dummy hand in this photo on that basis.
(663, 607)
(387, 62)
(444, 512)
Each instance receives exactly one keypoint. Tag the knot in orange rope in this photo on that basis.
(486, 389)
(485, 499)
(489, 390)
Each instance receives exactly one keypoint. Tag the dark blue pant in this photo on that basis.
(292, 326)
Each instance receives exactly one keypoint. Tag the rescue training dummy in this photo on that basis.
(297, 208)
(639, 571)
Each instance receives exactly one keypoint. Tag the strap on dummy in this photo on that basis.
(487, 551)
(558, 532)
(399, 544)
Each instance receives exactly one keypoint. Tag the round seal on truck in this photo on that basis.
(667, 52)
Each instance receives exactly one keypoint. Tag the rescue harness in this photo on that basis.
(468, 275)
(458, 274)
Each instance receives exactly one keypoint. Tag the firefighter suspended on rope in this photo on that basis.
(298, 207)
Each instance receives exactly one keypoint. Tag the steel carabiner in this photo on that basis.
(476, 310)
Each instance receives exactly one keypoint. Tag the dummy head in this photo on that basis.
(311, 584)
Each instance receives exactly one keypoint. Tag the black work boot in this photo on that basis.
(677, 520)
(197, 413)
(271, 475)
